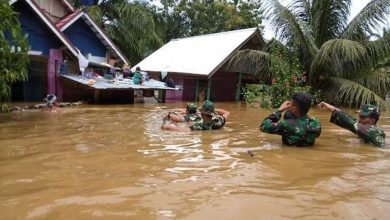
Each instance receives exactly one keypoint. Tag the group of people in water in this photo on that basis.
(290, 121)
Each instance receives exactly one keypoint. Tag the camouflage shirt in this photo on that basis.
(192, 117)
(369, 133)
(301, 131)
(218, 121)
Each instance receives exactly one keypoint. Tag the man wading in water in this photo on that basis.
(365, 127)
(211, 119)
(188, 114)
(297, 128)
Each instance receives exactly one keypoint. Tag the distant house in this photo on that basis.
(198, 64)
(58, 32)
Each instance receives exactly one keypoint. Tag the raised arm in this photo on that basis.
(340, 118)
(223, 113)
(270, 124)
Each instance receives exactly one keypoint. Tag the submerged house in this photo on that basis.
(57, 32)
(199, 65)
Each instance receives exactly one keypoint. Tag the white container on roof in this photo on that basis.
(198, 55)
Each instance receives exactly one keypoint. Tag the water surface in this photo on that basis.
(114, 162)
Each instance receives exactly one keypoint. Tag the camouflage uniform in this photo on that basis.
(192, 117)
(191, 113)
(300, 131)
(218, 121)
(369, 133)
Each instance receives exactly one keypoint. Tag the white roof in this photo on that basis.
(199, 55)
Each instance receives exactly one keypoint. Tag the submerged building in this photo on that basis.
(199, 65)
(58, 32)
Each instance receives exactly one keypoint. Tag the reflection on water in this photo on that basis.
(114, 162)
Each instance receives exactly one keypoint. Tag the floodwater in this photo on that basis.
(114, 162)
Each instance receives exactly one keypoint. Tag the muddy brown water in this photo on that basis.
(114, 162)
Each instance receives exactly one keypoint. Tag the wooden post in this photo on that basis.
(197, 90)
(96, 95)
(238, 87)
(208, 88)
(161, 95)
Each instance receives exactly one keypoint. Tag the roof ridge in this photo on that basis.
(219, 33)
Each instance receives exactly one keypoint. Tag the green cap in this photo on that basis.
(369, 110)
(207, 107)
(191, 108)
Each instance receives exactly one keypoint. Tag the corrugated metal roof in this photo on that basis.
(199, 55)
(116, 84)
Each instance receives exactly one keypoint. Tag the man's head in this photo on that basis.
(300, 104)
(51, 100)
(369, 114)
(191, 108)
(207, 109)
(138, 68)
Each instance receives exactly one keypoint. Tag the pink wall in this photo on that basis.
(53, 83)
(173, 96)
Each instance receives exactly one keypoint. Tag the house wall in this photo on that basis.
(35, 88)
(40, 37)
(223, 87)
(81, 35)
(53, 8)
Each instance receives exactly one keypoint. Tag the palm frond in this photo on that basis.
(378, 81)
(370, 18)
(342, 58)
(347, 92)
(251, 61)
(329, 17)
(96, 14)
(290, 28)
(379, 50)
(301, 9)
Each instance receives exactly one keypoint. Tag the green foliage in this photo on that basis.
(340, 58)
(130, 25)
(287, 77)
(13, 51)
(189, 18)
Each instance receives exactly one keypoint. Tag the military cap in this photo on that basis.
(369, 110)
(191, 108)
(207, 107)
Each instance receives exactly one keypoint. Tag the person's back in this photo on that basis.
(137, 78)
(297, 128)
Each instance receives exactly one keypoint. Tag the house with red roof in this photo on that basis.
(58, 32)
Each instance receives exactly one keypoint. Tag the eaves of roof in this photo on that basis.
(67, 21)
(51, 26)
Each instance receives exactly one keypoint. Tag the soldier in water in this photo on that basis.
(212, 118)
(188, 114)
(365, 127)
(297, 128)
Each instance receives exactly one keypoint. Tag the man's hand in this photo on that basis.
(284, 106)
(326, 106)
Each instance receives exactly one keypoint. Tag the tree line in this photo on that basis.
(347, 61)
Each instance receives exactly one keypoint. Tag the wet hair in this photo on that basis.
(303, 102)
(375, 117)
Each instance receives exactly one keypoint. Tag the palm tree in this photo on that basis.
(130, 25)
(348, 61)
